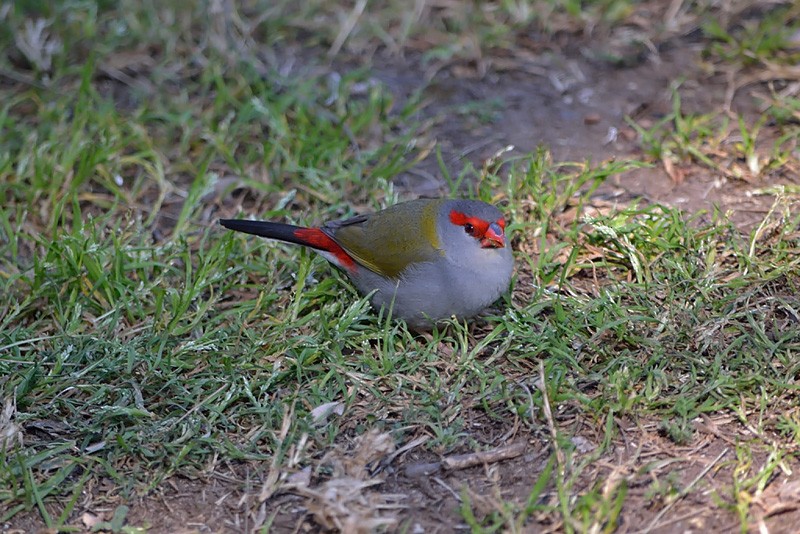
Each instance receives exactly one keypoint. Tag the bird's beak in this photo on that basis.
(494, 237)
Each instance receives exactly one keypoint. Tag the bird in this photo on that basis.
(426, 260)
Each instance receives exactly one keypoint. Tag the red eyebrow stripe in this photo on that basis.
(456, 217)
(460, 219)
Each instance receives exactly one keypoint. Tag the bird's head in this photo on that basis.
(472, 234)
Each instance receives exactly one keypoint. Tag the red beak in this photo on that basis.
(494, 237)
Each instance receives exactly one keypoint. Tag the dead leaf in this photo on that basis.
(10, 433)
(320, 414)
(89, 520)
(675, 174)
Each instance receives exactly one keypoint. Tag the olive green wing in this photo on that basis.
(388, 241)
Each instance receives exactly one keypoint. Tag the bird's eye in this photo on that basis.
(469, 228)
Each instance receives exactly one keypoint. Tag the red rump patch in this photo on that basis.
(316, 238)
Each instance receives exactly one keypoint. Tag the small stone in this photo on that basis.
(591, 118)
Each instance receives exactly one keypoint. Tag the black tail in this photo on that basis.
(272, 230)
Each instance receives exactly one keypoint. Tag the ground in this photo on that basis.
(559, 92)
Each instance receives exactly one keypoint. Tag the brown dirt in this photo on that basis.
(582, 117)
(651, 468)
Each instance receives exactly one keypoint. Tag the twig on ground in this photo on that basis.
(463, 461)
(551, 425)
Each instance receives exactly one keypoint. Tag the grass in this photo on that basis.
(140, 342)
(730, 148)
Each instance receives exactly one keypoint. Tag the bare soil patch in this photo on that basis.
(666, 489)
(578, 108)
